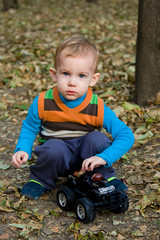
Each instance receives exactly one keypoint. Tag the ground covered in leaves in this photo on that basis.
(28, 39)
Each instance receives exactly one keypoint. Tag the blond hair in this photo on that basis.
(77, 45)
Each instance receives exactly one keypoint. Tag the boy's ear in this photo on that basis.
(94, 79)
(52, 72)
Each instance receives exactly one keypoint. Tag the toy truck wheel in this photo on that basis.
(123, 207)
(65, 198)
(85, 210)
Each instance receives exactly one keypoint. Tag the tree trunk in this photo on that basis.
(148, 52)
(7, 4)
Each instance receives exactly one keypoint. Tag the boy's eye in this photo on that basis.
(81, 75)
(65, 74)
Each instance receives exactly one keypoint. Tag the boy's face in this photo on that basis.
(74, 74)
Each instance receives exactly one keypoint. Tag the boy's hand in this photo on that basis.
(90, 163)
(19, 158)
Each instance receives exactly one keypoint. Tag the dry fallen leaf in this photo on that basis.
(120, 237)
(55, 229)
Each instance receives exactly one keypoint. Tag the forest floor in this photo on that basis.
(28, 39)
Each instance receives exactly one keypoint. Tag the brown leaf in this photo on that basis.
(96, 228)
(120, 237)
(55, 229)
(5, 236)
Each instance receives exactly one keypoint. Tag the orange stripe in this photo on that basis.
(100, 111)
(41, 104)
(57, 116)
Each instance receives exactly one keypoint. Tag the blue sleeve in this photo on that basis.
(123, 138)
(30, 128)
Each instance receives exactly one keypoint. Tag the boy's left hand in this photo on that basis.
(90, 163)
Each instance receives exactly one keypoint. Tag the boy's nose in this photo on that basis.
(71, 82)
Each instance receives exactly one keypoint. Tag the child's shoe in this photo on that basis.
(33, 189)
(117, 183)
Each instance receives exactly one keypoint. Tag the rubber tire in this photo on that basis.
(88, 210)
(66, 198)
(124, 206)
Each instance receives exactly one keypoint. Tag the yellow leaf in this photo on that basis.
(2, 149)
(39, 216)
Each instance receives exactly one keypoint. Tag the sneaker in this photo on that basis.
(117, 183)
(33, 189)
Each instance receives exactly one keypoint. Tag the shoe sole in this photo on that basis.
(28, 196)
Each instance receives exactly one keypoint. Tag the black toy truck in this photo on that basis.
(86, 192)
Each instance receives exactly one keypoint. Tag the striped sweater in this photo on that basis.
(122, 135)
(59, 121)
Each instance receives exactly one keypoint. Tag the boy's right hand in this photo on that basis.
(19, 158)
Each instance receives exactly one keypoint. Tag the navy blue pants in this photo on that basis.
(61, 157)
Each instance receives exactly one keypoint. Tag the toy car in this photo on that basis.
(87, 192)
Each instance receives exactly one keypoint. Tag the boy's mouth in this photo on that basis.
(71, 92)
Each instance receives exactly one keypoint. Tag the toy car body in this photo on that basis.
(84, 195)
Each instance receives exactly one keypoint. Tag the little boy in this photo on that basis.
(68, 119)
